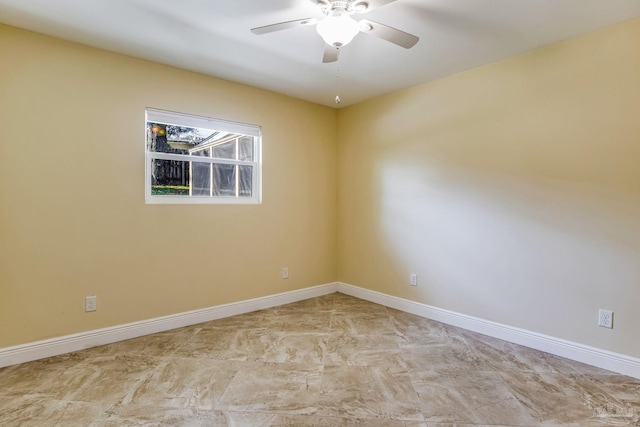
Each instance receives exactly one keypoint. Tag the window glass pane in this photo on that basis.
(169, 178)
(246, 148)
(224, 180)
(246, 180)
(225, 151)
(164, 138)
(201, 180)
(201, 153)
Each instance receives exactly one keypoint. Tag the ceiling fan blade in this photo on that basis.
(330, 54)
(370, 5)
(284, 26)
(391, 34)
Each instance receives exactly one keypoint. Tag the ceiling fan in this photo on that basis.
(338, 28)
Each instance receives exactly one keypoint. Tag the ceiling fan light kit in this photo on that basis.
(338, 29)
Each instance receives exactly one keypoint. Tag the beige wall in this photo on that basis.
(73, 221)
(512, 190)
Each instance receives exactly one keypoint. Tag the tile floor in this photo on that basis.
(328, 361)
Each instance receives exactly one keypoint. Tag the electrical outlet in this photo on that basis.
(413, 279)
(605, 318)
(285, 273)
(90, 303)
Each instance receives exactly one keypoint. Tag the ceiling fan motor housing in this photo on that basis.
(348, 6)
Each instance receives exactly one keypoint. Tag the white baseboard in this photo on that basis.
(68, 343)
(604, 359)
(615, 362)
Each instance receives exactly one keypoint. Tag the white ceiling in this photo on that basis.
(213, 37)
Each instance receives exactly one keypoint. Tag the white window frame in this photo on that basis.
(190, 120)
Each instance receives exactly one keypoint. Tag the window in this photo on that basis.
(194, 159)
